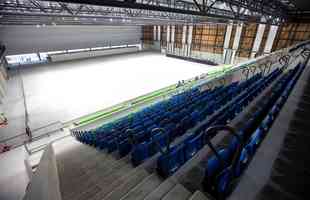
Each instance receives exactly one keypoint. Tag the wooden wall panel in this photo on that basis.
(148, 34)
(163, 38)
(178, 36)
(291, 33)
(209, 38)
(247, 39)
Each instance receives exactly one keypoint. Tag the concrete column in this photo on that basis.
(154, 33)
(189, 40)
(270, 39)
(168, 38)
(258, 39)
(172, 37)
(158, 33)
(236, 42)
(3, 64)
(184, 40)
(184, 34)
(227, 40)
(3, 83)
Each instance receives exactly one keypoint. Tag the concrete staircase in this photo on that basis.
(88, 174)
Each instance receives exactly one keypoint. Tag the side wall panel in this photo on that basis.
(89, 54)
(32, 39)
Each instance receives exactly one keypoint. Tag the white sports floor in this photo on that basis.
(64, 91)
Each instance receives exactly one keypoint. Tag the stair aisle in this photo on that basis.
(178, 192)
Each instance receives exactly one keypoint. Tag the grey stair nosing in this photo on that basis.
(198, 196)
(85, 175)
(162, 189)
(94, 159)
(141, 186)
(177, 190)
(114, 175)
(94, 178)
(106, 190)
(89, 174)
(95, 184)
(103, 163)
(120, 190)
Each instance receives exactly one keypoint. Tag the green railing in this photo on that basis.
(146, 99)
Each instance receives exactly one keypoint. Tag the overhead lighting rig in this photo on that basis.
(141, 12)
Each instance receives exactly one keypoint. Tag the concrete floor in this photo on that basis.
(60, 92)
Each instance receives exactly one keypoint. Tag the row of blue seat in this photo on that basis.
(170, 161)
(218, 177)
(135, 118)
(121, 142)
(272, 109)
(137, 121)
(146, 149)
(238, 102)
(141, 133)
(172, 130)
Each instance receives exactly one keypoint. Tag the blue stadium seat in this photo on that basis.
(139, 153)
(170, 162)
(124, 147)
(192, 145)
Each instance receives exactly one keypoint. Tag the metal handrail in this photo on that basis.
(157, 143)
(214, 130)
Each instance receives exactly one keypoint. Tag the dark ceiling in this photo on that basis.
(303, 5)
(137, 12)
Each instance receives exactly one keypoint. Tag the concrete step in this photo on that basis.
(112, 182)
(83, 175)
(113, 174)
(93, 183)
(144, 188)
(77, 174)
(84, 193)
(178, 192)
(86, 160)
(130, 183)
(198, 196)
(78, 190)
(95, 177)
(65, 149)
(102, 169)
(161, 190)
(88, 163)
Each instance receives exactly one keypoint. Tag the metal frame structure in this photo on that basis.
(142, 12)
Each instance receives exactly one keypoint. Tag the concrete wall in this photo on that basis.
(32, 39)
(217, 58)
(88, 54)
(45, 182)
(154, 46)
(3, 80)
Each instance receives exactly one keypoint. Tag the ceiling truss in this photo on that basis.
(138, 12)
